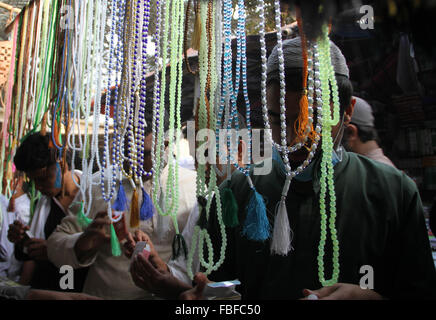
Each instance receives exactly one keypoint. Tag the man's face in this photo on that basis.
(45, 180)
(292, 103)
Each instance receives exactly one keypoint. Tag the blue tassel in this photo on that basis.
(120, 203)
(146, 211)
(57, 184)
(256, 225)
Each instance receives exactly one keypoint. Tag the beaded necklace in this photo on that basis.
(159, 92)
(118, 12)
(156, 102)
(185, 42)
(133, 130)
(29, 53)
(143, 92)
(122, 113)
(227, 96)
(99, 30)
(208, 82)
(35, 60)
(282, 233)
(172, 189)
(48, 61)
(61, 94)
(228, 108)
(327, 76)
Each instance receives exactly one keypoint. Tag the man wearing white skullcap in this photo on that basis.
(361, 136)
(379, 220)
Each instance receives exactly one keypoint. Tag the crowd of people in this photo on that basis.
(380, 220)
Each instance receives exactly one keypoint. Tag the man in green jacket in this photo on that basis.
(384, 249)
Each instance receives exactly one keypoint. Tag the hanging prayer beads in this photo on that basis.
(114, 51)
(327, 78)
(171, 201)
(282, 233)
(206, 193)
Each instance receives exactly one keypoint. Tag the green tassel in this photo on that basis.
(83, 220)
(115, 244)
(230, 208)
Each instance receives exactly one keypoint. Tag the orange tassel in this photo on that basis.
(303, 118)
(134, 211)
(300, 125)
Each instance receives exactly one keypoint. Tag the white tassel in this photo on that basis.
(281, 243)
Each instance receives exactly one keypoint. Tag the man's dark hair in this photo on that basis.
(293, 79)
(366, 133)
(34, 153)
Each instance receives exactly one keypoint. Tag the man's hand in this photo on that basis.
(93, 237)
(37, 249)
(196, 293)
(132, 239)
(154, 258)
(16, 232)
(157, 280)
(343, 291)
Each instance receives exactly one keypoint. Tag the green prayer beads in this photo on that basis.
(208, 81)
(326, 182)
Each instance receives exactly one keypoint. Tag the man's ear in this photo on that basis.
(351, 132)
(349, 112)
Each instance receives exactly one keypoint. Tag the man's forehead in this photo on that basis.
(37, 173)
(292, 100)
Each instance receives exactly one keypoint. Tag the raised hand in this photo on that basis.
(94, 236)
(17, 232)
(342, 291)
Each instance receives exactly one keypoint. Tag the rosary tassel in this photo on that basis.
(115, 244)
(230, 208)
(202, 219)
(82, 220)
(282, 233)
(196, 36)
(178, 245)
(146, 211)
(120, 203)
(58, 180)
(134, 211)
(303, 118)
(256, 225)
